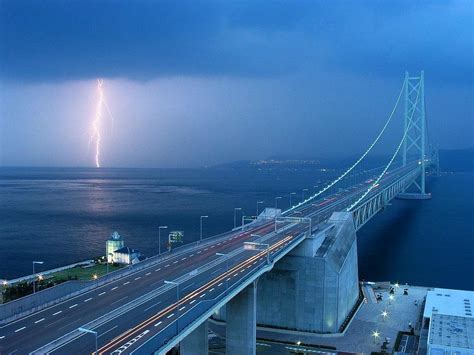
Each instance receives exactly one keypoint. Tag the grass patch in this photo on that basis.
(81, 273)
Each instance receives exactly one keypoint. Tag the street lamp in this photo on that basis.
(258, 203)
(200, 227)
(254, 245)
(112, 255)
(34, 274)
(84, 330)
(276, 202)
(177, 302)
(235, 215)
(159, 237)
(302, 194)
(375, 334)
(390, 299)
(226, 268)
(291, 195)
(384, 315)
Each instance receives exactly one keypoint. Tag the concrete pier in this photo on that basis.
(313, 288)
(197, 342)
(241, 331)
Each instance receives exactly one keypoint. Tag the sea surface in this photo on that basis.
(61, 216)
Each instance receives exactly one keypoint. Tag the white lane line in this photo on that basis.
(3, 336)
(114, 288)
(102, 293)
(184, 258)
(212, 246)
(218, 270)
(74, 305)
(87, 300)
(157, 324)
(254, 262)
(174, 262)
(107, 331)
(212, 289)
(202, 295)
(228, 279)
(192, 301)
(138, 278)
(158, 269)
(126, 283)
(248, 267)
(19, 329)
(184, 288)
(171, 315)
(182, 308)
(148, 273)
(39, 320)
(206, 249)
(54, 314)
(191, 255)
(153, 305)
(167, 265)
(119, 300)
(219, 284)
(219, 243)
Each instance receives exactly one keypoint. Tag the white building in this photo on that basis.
(449, 318)
(115, 242)
(126, 255)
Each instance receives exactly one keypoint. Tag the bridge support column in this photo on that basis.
(197, 342)
(241, 316)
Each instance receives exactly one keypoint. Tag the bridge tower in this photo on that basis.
(414, 145)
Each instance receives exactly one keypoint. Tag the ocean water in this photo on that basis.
(62, 216)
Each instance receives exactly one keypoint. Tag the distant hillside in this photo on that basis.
(450, 160)
(456, 159)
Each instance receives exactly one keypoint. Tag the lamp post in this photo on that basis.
(291, 195)
(276, 202)
(177, 302)
(258, 203)
(226, 268)
(34, 274)
(390, 299)
(302, 194)
(200, 227)
(112, 255)
(235, 215)
(315, 188)
(375, 334)
(84, 330)
(384, 315)
(159, 237)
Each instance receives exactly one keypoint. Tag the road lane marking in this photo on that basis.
(242, 270)
(206, 249)
(228, 279)
(138, 278)
(39, 320)
(184, 258)
(218, 270)
(102, 293)
(184, 288)
(171, 315)
(182, 308)
(74, 305)
(87, 300)
(148, 273)
(157, 324)
(158, 269)
(174, 262)
(219, 284)
(192, 301)
(153, 305)
(107, 331)
(114, 288)
(57, 313)
(119, 300)
(191, 255)
(219, 243)
(212, 246)
(167, 265)
(2, 337)
(202, 295)
(212, 289)
(126, 283)
(19, 329)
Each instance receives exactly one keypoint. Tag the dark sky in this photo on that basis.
(193, 83)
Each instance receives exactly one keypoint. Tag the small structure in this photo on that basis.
(127, 256)
(115, 242)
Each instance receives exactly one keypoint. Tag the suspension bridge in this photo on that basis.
(232, 278)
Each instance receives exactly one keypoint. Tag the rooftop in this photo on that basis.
(452, 331)
(449, 302)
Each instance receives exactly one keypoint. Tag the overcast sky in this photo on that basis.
(193, 83)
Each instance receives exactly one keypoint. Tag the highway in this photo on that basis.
(128, 312)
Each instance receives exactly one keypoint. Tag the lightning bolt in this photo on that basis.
(97, 123)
